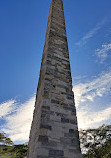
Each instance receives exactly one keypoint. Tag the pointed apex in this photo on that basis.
(57, 1)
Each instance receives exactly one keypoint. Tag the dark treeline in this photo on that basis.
(9, 150)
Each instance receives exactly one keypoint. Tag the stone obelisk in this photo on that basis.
(54, 130)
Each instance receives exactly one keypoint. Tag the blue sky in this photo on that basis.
(22, 36)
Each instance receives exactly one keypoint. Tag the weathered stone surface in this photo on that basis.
(43, 138)
(46, 126)
(54, 130)
(56, 153)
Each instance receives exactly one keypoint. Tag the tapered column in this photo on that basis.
(54, 130)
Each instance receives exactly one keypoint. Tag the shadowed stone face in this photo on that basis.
(54, 131)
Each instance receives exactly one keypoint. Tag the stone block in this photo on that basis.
(56, 153)
(43, 138)
(46, 127)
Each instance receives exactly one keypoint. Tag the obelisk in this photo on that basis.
(54, 131)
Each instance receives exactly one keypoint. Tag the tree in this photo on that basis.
(5, 140)
(19, 150)
(96, 143)
(8, 149)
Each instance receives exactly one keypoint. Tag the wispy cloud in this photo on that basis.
(87, 118)
(103, 52)
(18, 124)
(6, 108)
(91, 33)
(88, 92)
(92, 89)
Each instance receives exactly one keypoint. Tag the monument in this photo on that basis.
(54, 131)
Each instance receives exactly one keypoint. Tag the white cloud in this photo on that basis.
(18, 124)
(91, 33)
(93, 119)
(6, 108)
(103, 52)
(92, 89)
(88, 92)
